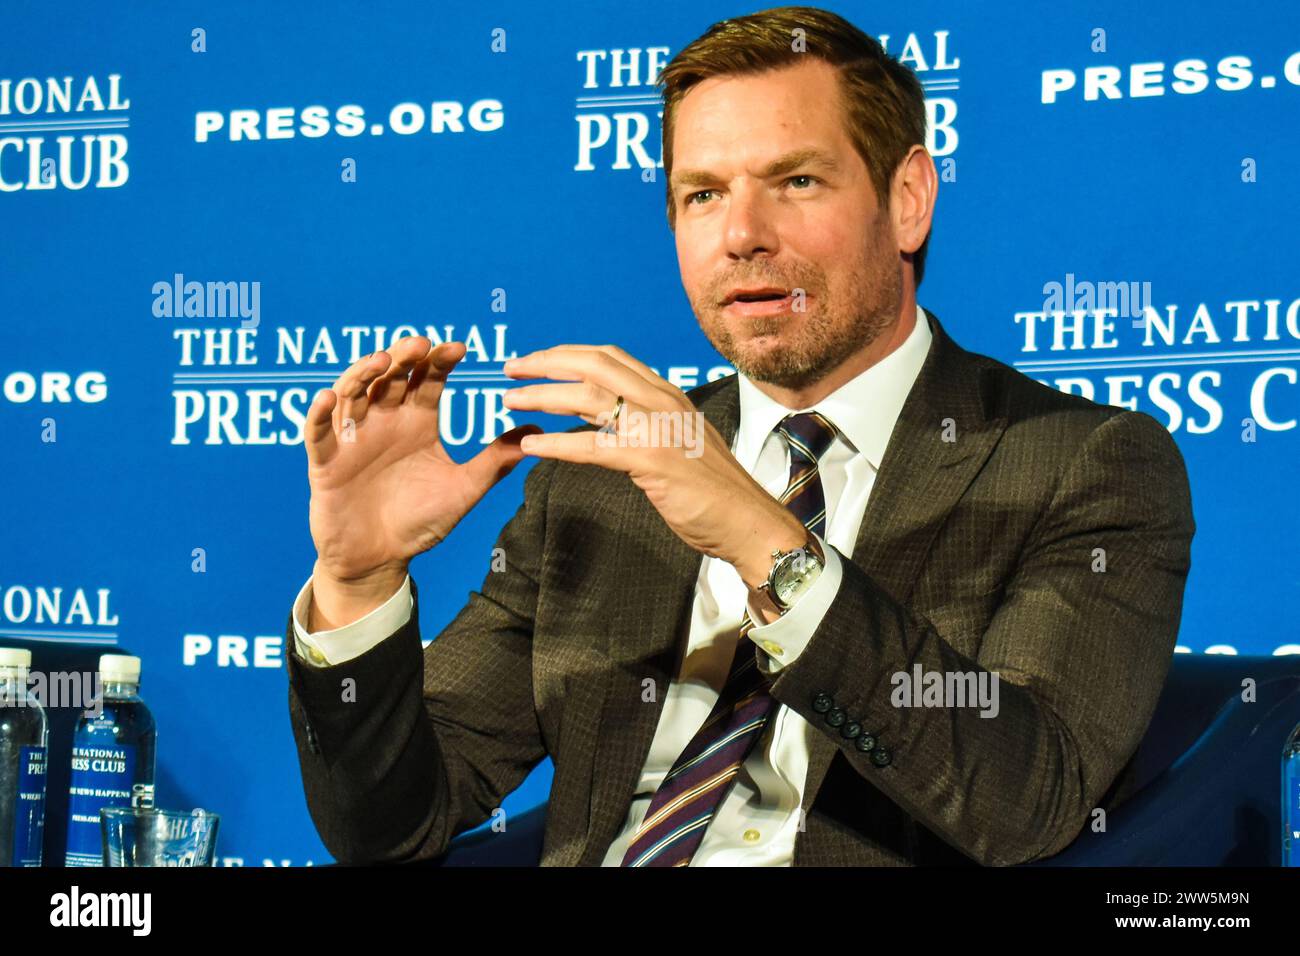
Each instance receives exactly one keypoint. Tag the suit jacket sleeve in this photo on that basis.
(1081, 656)
(402, 748)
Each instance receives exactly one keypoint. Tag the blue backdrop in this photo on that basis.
(356, 170)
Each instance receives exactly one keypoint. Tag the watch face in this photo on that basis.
(794, 575)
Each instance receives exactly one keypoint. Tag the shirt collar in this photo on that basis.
(864, 409)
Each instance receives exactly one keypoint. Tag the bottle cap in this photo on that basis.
(15, 657)
(122, 668)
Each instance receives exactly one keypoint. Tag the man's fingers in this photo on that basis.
(318, 430)
(352, 384)
(389, 388)
(592, 403)
(618, 354)
(496, 461)
(592, 366)
(430, 375)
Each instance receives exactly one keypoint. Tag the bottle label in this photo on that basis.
(29, 807)
(1291, 819)
(102, 774)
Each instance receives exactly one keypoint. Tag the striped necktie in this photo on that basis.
(689, 795)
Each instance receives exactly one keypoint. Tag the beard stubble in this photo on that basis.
(815, 342)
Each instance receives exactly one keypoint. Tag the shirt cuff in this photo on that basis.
(326, 648)
(784, 639)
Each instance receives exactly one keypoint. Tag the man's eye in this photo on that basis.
(691, 198)
(811, 179)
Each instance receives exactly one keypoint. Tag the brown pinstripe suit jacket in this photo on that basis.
(977, 552)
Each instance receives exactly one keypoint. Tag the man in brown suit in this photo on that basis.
(949, 529)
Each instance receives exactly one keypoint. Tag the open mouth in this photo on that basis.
(759, 302)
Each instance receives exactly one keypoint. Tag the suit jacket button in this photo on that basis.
(851, 729)
(835, 717)
(822, 703)
(312, 744)
(880, 757)
(866, 743)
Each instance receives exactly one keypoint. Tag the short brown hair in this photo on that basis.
(884, 102)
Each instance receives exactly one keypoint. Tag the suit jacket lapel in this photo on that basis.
(924, 472)
(944, 434)
(648, 630)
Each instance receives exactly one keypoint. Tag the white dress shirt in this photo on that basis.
(759, 818)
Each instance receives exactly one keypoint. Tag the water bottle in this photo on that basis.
(113, 753)
(24, 736)
(1291, 799)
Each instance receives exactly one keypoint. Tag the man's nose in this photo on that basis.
(750, 227)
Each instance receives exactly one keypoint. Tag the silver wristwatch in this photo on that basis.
(793, 572)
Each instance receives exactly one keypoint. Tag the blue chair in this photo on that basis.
(1203, 789)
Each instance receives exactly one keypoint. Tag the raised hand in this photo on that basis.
(383, 488)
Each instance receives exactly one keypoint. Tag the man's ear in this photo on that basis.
(914, 192)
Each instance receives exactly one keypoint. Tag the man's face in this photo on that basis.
(746, 220)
